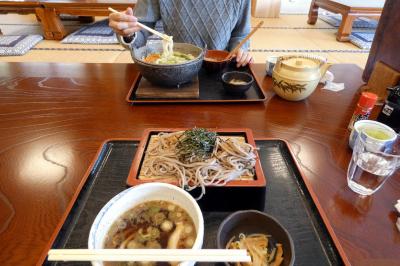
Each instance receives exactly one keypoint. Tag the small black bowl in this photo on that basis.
(251, 222)
(228, 79)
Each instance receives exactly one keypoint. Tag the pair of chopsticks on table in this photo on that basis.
(199, 255)
(161, 35)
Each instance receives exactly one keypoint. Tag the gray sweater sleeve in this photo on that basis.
(242, 28)
(148, 13)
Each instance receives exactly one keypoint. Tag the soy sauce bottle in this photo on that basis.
(364, 107)
(390, 113)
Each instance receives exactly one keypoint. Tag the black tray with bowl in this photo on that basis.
(210, 87)
(287, 199)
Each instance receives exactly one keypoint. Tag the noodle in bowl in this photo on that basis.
(168, 75)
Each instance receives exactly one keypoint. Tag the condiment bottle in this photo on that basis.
(390, 113)
(364, 107)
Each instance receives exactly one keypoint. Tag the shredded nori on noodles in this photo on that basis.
(196, 145)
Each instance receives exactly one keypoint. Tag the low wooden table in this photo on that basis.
(350, 10)
(20, 7)
(54, 117)
(48, 11)
(49, 14)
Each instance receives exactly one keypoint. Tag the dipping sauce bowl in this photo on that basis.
(215, 60)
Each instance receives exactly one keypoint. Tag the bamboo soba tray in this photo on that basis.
(253, 189)
(286, 198)
(210, 90)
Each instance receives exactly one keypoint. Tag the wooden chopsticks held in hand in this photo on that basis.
(200, 255)
(244, 40)
(161, 35)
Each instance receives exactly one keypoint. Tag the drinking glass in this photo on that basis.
(372, 164)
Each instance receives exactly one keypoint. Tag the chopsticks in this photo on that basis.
(244, 40)
(162, 35)
(200, 255)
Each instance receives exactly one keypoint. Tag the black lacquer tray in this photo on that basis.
(211, 90)
(287, 199)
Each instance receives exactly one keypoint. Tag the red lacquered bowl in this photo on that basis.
(215, 60)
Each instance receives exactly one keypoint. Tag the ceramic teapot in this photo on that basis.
(296, 77)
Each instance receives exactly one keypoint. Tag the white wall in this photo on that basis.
(295, 6)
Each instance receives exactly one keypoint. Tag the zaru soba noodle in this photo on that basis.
(168, 56)
(198, 158)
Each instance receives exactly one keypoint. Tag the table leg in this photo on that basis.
(313, 13)
(52, 26)
(345, 27)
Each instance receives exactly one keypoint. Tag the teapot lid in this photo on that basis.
(301, 63)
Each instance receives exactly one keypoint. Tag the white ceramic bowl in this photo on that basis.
(371, 124)
(131, 197)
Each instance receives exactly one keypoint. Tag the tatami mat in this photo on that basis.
(288, 34)
(290, 21)
(58, 45)
(323, 38)
(280, 38)
(124, 57)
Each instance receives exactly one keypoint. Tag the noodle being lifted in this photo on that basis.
(168, 56)
(197, 158)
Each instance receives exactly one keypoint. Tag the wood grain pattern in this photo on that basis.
(20, 7)
(53, 117)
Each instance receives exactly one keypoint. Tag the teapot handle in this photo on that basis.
(279, 62)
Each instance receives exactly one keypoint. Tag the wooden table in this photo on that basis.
(48, 11)
(55, 116)
(20, 7)
(350, 10)
(54, 29)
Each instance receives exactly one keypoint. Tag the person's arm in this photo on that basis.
(241, 30)
(148, 13)
(242, 27)
(129, 34)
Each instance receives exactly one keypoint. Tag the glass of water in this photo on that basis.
(372, 163)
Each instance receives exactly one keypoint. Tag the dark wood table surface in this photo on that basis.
(54, 117)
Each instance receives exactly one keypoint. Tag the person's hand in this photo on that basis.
(243, 58)
(124, 23)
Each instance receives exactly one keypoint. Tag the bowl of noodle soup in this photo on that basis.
(248, 228)
(168, 73)
(114, 214)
